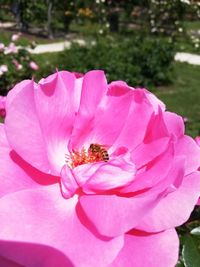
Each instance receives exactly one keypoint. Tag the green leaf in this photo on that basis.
(179, 264)
(196, 231)
(191, 253)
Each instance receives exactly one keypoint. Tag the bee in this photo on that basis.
(99, 151)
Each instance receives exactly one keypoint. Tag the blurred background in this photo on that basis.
(147, 43)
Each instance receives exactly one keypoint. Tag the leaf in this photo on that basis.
(196, 231)
(190, 252)
(179, 264)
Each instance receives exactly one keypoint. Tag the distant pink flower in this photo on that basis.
(33, 65)
(185, 119)
(17, 64)
(15, 37)
(93, 174)
(1, 47)
(11, 49)
(4, 68)
(2, 106)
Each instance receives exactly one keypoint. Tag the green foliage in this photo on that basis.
(191, 251)
(16, 62)
(140, 61)
(12, 76)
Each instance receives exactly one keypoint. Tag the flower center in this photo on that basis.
(94, 153)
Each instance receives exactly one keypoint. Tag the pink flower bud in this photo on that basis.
(33, 65)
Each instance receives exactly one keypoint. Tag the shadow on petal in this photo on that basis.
(19, 254)
(38, 176)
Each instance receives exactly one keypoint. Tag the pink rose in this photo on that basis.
(3, 69)
(11, 49)
(197, 139)
(33, 65)
(15, 37)
(2, 106)
(78, 74)
(18, 66)
(93, 174)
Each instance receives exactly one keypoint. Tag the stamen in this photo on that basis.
(94, 153)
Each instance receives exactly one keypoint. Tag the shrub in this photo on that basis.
(140, 61)
(16, 64)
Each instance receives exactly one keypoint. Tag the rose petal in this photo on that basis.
(32, 255)
(156, 128)
(94, 86)
(23, 129)
(118, 88)
(175, 208)
(109, 119)
(103, 210)
(104, 176)
(16, 89)
(10, 170)
(174, 123)
(153, 172)
(136, 121)
(56, 115)
(155, 102)
(187, 147)
(145, 153)
(44, 217)
(152, 250)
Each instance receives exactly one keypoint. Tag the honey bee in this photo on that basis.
(99, 151)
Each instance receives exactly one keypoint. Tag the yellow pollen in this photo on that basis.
(94, 153)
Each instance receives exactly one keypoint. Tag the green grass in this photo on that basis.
(192, 25)
(183, 97)
(87, 29)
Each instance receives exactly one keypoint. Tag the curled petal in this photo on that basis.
(187, 147)
(103, 176)
(68, 182)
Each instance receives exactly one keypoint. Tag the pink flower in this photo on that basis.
(197, 139)
(78, 74)
(2, 106)
(11, 49)
(33, 65)
(93, 175)
(185, 120)
(15, 37)
(18, 66)
(4, 68)
(1, 47)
